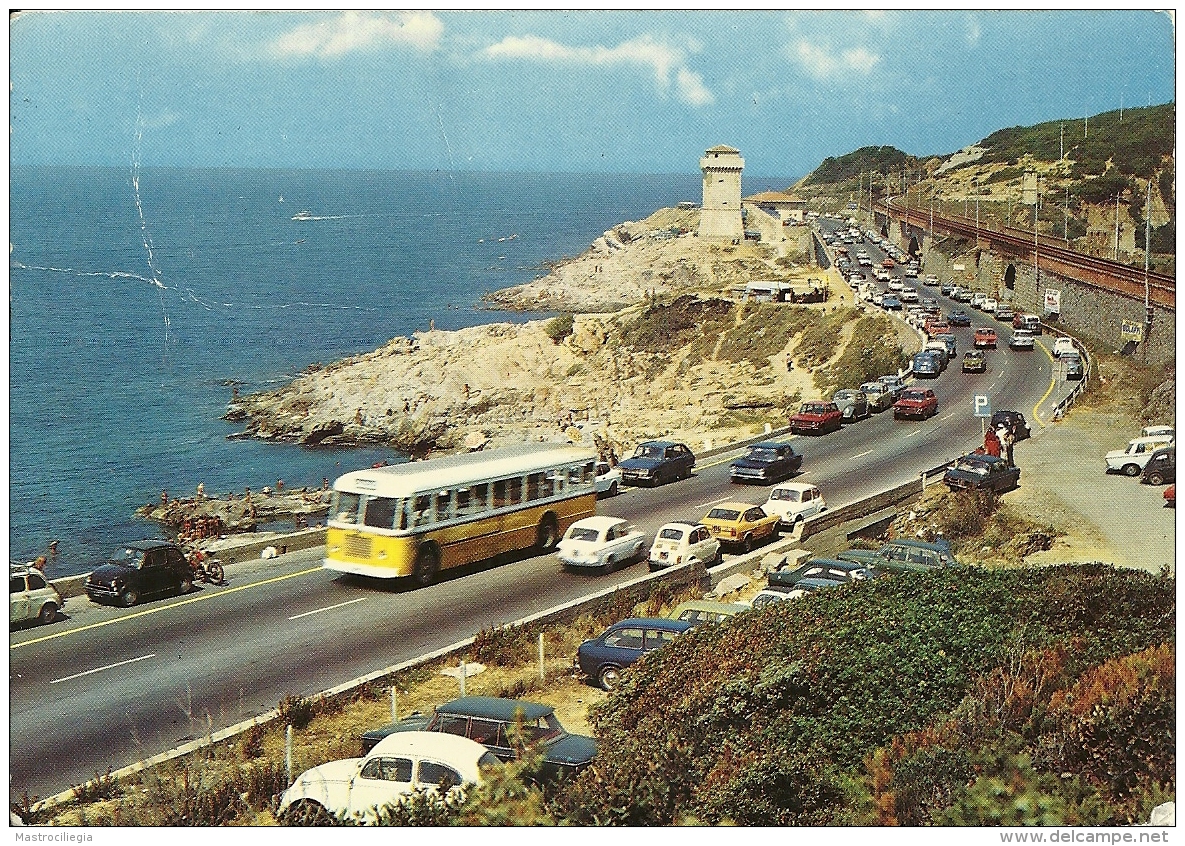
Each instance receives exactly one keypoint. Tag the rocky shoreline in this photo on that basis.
(587, 379)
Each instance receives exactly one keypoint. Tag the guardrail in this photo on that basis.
(1068, 401)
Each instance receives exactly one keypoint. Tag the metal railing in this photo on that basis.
(1068, 401)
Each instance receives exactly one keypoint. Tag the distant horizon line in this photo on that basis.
(379, 169)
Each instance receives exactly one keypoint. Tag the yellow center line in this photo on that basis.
(161, 608)
(1052, 385)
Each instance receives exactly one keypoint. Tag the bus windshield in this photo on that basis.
(344, 505)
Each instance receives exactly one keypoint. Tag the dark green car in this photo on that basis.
(489, 720)
(824, 568)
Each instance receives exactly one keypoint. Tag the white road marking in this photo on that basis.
(861, 455)
(328, 608)
(949, 416)
(914, 432)
(713, 502)
(101, 669)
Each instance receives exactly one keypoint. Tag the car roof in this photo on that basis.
(982, 458)
(450, 746)
(917, 544)
(495, 708)
(740, 506)
(598, 522)
(707, 605)
(834, 563)
(659, 443)
(794, 486)
(679, 524)
(652, 623)
(815, 582)
(768, 445)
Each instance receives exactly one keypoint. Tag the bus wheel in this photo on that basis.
(427, 565)
(548, 534)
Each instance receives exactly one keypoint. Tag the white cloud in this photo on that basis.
(352, 31)
(161, 119)
(661, 60)
(822, 63)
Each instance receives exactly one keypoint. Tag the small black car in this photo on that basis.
(486, 720)
(655, 462)
(1161, 467)
(1013, 421)
(977, 472)
(766, 462)
(140, 569)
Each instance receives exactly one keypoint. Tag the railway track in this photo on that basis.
(1100, 273)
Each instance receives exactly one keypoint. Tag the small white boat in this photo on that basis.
(303, 215)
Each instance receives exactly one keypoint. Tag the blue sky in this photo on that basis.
(642, 92)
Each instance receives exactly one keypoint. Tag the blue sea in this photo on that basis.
(139, 297)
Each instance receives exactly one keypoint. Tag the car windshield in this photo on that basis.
(671, 534)
(648, 451)
(582, 534)
(784, 495)
(762, 454)
(871, 387)
(128, 557)
(727, 514)
(914, 396)
(844, 396)
(970, 465)
(814, 408)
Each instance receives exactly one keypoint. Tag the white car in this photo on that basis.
(767, 596)
(679, 543)
(895, 285)
(1063, 345)
(1021, 339)
(1158, 429)
(608, 479)
(977, 300)
(397, 766)
(30, 597)
(990, 305)
(601, 543)
(1134, 458)
(793, 502)
(909, 295)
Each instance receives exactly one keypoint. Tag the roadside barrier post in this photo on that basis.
(462, 677)
(394, 704)
(541, 678)
(288, 752)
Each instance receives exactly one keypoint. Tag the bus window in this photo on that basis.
(590, 473)
(402, 508)
(535, 486)
(420, 515)
(499, 493)
(481, 495)
(514, 491)
(344, 508)
(380, 512)
(443, 501)
(555, 483)
(463, 500)
(575, 476)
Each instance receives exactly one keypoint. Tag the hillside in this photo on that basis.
(1084, 166)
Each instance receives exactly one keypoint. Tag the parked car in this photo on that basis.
(951, 342)
(603, 658)
(961, 295)
(31, 597)
(985, 337)
(1132, 460)
(904, 556)
(395, 768)
(601, 543)
(656, 462)
(1032, 322)
(488, 720)
(878, 394)
(1021, 339)
(683, 543)
(1013, 421)
(700, 611)
(1072, 364)
(974, 361)
(1063, 345)
(978, 472)
(852, 404)
(809, 585)
(1156, 429)
(1161, 466)
(816, 418)
(1170, 496)
(793, 502)
(1004, 313)
(140, 569)
(608, 479)
(768, 461)
(823, 568)
(895, 384)
(926, 365)
(916, 403)
(767, 596)
(740, 524)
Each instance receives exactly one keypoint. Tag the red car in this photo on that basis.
(936, 327)
(916, 403)
(815, 418)
(1170, 496)
(985, 337)
(887, 264)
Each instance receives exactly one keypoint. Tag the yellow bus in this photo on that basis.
(420, 518)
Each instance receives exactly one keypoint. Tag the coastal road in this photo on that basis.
(109, 686)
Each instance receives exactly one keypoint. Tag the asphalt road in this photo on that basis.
(108, 687)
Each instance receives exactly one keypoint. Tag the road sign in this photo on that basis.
(983, 406)
(1053, 300)
(1131, 330)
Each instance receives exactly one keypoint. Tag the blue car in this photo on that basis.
(655, 462)
(926, 365)
(958, 317)
(892, 304)
(603, 658)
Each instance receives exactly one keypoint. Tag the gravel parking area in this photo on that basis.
(1108, 518)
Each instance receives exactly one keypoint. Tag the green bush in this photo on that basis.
(560, 327)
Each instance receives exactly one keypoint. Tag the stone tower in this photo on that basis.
(720, 216)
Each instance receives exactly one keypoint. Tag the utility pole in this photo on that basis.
(1062, 148)
(1116, 226)
(1147, 252)
(1066, 223)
